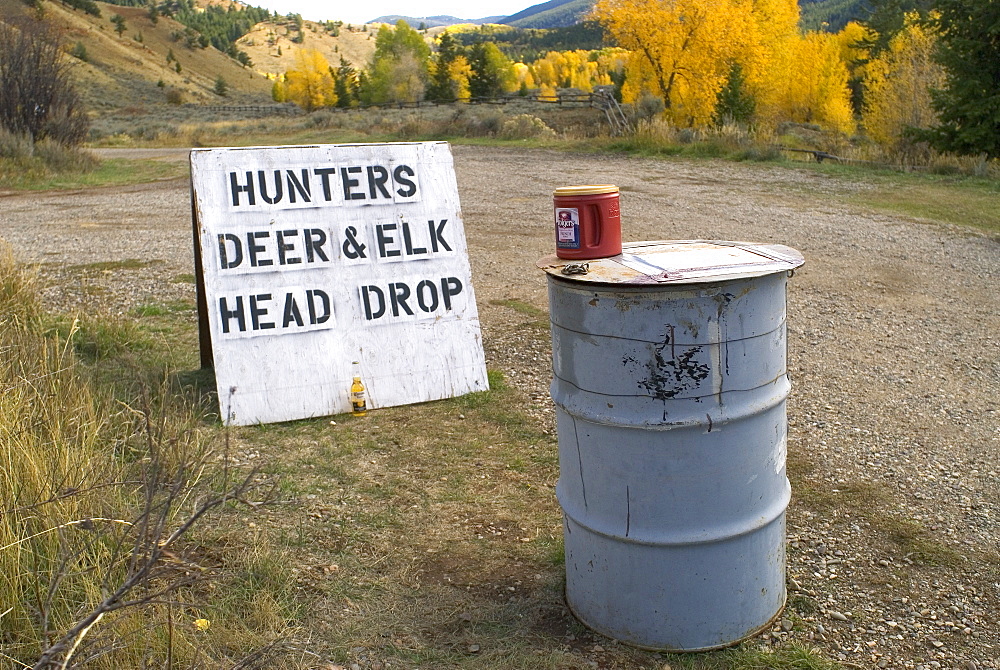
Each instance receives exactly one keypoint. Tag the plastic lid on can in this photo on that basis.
(586, 189)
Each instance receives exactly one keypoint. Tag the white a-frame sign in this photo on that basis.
(316, 263)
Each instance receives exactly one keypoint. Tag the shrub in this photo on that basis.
(762, 153)
(62, 158)
(486, 123)
(525, 126)
(15, 146)
(322, 119)
(175, 96)
(38, 99)
(648, 107)
(79, 51)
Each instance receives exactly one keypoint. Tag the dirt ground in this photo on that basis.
(894, 356)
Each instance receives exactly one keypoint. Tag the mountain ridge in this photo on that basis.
(550, 14)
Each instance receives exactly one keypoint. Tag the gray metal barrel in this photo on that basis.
(670, 386)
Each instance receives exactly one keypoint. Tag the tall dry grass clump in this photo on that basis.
(69, 491)
(57, 475)
(98, 492)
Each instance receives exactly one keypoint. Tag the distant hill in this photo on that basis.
(552, 14)
(832, 15)
(434, 21)
(546, 15)
(527, 45)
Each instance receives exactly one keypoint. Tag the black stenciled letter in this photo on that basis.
(450, 286)
(256, 311)
(315, 317)
(253, 249)
(292, 312)
(437, 239)
(235, 313)
(366, 293)
(376, 184)
(349, 184)
(407, 188)
(399, 293)
(383, 239)
(284, 247)
(303, 188)
(237, 188)
(225, 262)
(427, 296)
(324, 174)
(315, 239)
(408, 241)
(279, 189)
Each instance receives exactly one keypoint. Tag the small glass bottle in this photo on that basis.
(358, 404)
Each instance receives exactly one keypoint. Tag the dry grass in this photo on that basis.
(94, 479)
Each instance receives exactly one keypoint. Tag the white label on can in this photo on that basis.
(568, 227)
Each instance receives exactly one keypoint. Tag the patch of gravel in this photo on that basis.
(894, 355)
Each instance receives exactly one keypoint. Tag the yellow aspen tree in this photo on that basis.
(572, 62)
(459, 72)
(852, 39)
(547, 91)
(278, 91)
(898, 84)
(818, 92)
(591, 75)
(545, 72)
(578, 70)
(768, 61)
(557, 62)
(585, 72)
(524, 77)
(683, 50)
(310, 84)
(610, 62)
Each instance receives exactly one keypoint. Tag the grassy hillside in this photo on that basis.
(272, 45)
(553, 14)
(529, 44)
(140, 66)
(133, 68)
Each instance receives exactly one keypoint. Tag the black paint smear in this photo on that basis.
(669, 378)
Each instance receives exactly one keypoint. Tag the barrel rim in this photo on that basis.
(620, 269)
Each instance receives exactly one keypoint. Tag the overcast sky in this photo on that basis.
(360, 12)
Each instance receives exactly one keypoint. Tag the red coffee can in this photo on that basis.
(588, 221)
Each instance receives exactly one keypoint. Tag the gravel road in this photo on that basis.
(894, 354)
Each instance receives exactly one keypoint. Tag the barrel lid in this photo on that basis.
(585, 189)
(678, 262)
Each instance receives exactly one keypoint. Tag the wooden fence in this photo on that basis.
(257, 110)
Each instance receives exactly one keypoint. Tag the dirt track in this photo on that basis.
(894, 355)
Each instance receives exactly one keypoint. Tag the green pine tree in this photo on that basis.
(119, 22)
(969, 105)
(735, 103)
